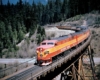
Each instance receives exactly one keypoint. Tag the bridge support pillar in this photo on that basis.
(80, 69)
(92, 64)
(74, 72)
(86, 69)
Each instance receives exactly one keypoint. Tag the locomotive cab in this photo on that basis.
(43, 52)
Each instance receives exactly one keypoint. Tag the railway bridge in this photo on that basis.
(70, 67)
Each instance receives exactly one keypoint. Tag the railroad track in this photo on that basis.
(37, 70)
(24, 74)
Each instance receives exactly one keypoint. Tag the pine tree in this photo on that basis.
(57, 14)
(2, 35)
(64, 9)
(38, 39)
(1, 7)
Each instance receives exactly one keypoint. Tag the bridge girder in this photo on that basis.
(77, 70)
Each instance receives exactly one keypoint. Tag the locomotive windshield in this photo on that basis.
(43, 43)
(50, 43)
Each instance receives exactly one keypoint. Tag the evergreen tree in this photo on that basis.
(18, 19)
(64, 9)
(15, 37)
(38, 39)
(1, 8)
(2, 35)
(51, 8)
(39, 29)
(57, 14)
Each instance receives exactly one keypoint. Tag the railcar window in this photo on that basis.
(43, 43)
(50, 43)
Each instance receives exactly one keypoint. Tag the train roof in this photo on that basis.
(61, 37)
(84, 28)
(67, 36)
(54, 41)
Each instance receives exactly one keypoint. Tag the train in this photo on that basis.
(50, 49)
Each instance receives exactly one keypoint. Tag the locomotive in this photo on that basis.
(49, 49)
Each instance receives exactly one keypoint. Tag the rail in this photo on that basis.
(62, 60)
(36, 72)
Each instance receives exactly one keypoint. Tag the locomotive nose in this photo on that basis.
(40, 49)
(41, 55)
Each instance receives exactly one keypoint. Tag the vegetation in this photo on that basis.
(21, 18)
(18, 19)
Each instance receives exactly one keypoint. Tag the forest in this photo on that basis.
(18, 19)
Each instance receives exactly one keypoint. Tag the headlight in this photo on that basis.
(37, 51)
(46, 52)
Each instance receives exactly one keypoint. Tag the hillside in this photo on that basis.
(16, 20)
(27, 47)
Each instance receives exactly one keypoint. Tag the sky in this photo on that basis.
(30, 1)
